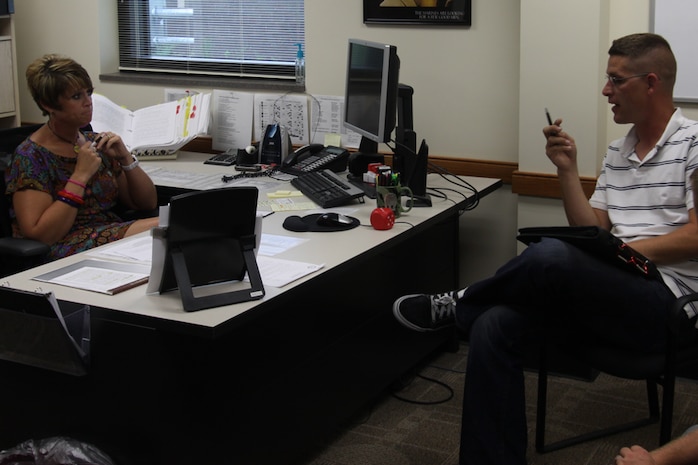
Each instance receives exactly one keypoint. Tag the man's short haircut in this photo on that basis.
(648, 53)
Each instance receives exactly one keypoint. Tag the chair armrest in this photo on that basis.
(128, 215)
(680, 325)
(18, 247)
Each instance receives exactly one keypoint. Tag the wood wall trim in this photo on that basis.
(544, 185)
(522, 183)
(481, 168)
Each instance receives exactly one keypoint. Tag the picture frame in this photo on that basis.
(418, 12)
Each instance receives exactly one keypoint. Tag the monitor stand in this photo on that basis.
(359, 161)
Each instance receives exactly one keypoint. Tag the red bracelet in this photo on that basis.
(69, 195)
(77, 183)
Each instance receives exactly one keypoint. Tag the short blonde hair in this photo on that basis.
(51, 76)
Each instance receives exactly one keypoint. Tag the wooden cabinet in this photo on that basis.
(9, 90)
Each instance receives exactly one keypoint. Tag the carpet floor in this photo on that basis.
(395, 431)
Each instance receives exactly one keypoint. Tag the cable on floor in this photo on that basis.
(433, 402)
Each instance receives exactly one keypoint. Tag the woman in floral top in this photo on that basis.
(64, 182)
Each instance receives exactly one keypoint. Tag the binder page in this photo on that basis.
(156, 126)
(108, 116)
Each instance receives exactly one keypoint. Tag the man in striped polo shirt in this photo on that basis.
(643, 195)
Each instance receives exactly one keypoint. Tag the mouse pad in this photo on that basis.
(307, 223)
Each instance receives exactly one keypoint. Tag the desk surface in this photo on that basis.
(331, 249)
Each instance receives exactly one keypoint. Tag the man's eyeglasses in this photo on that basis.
(615, 80)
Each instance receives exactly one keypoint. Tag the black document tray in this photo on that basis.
(35, 331)
(211, 240)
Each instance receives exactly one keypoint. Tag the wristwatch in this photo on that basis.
(133, 164)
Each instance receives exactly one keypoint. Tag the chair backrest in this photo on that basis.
(9, 140)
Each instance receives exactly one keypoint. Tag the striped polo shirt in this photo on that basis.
(652, 197)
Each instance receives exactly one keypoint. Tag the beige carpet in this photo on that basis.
(396, 432)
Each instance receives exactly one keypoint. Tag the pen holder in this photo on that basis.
(391, 197)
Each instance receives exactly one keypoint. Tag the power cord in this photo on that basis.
(455, 179)
(472, 201)
(448, 389)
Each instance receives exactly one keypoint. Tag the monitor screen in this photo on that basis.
(370, 103)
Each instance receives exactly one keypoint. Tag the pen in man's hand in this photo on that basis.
(547, 114)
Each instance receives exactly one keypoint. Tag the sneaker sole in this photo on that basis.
(402, 320)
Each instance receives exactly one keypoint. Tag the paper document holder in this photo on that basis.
(35, 331)
(211, 246)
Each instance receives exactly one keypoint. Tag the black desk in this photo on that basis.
(262, 386)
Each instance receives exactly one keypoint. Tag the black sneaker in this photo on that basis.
(426, 312)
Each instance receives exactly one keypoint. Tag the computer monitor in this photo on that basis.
(370, 100)
(375, 105)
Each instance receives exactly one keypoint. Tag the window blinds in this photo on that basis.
(246, 38)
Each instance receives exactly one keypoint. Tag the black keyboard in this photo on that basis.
(326, 188)
(369, 189)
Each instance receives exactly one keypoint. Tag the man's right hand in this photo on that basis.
(560, 147)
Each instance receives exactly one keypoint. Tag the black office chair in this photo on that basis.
(656, 368)
(15, 254)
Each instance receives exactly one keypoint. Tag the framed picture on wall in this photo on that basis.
(424, 12)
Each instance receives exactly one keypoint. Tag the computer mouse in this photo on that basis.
(333, 219)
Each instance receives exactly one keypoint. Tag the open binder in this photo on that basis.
(35, 331)
(598, 242)
(210, 248)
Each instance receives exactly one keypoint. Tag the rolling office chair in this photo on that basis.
(15, 254)
(656, 368)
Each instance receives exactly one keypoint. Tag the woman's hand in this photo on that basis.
(136, 189)
(88, 162)
(113, 146)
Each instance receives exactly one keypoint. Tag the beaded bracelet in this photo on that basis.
(69, 195)
(68, 201)
(77, 183)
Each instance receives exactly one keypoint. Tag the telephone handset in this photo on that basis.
(298, 155)
(315, 157)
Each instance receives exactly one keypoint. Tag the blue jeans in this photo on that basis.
(554, 283)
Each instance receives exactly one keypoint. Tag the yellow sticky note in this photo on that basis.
(284, 194)
(333, 139)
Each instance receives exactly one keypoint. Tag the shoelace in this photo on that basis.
(442, 305)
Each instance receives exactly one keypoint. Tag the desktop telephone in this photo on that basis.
(315, 157)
